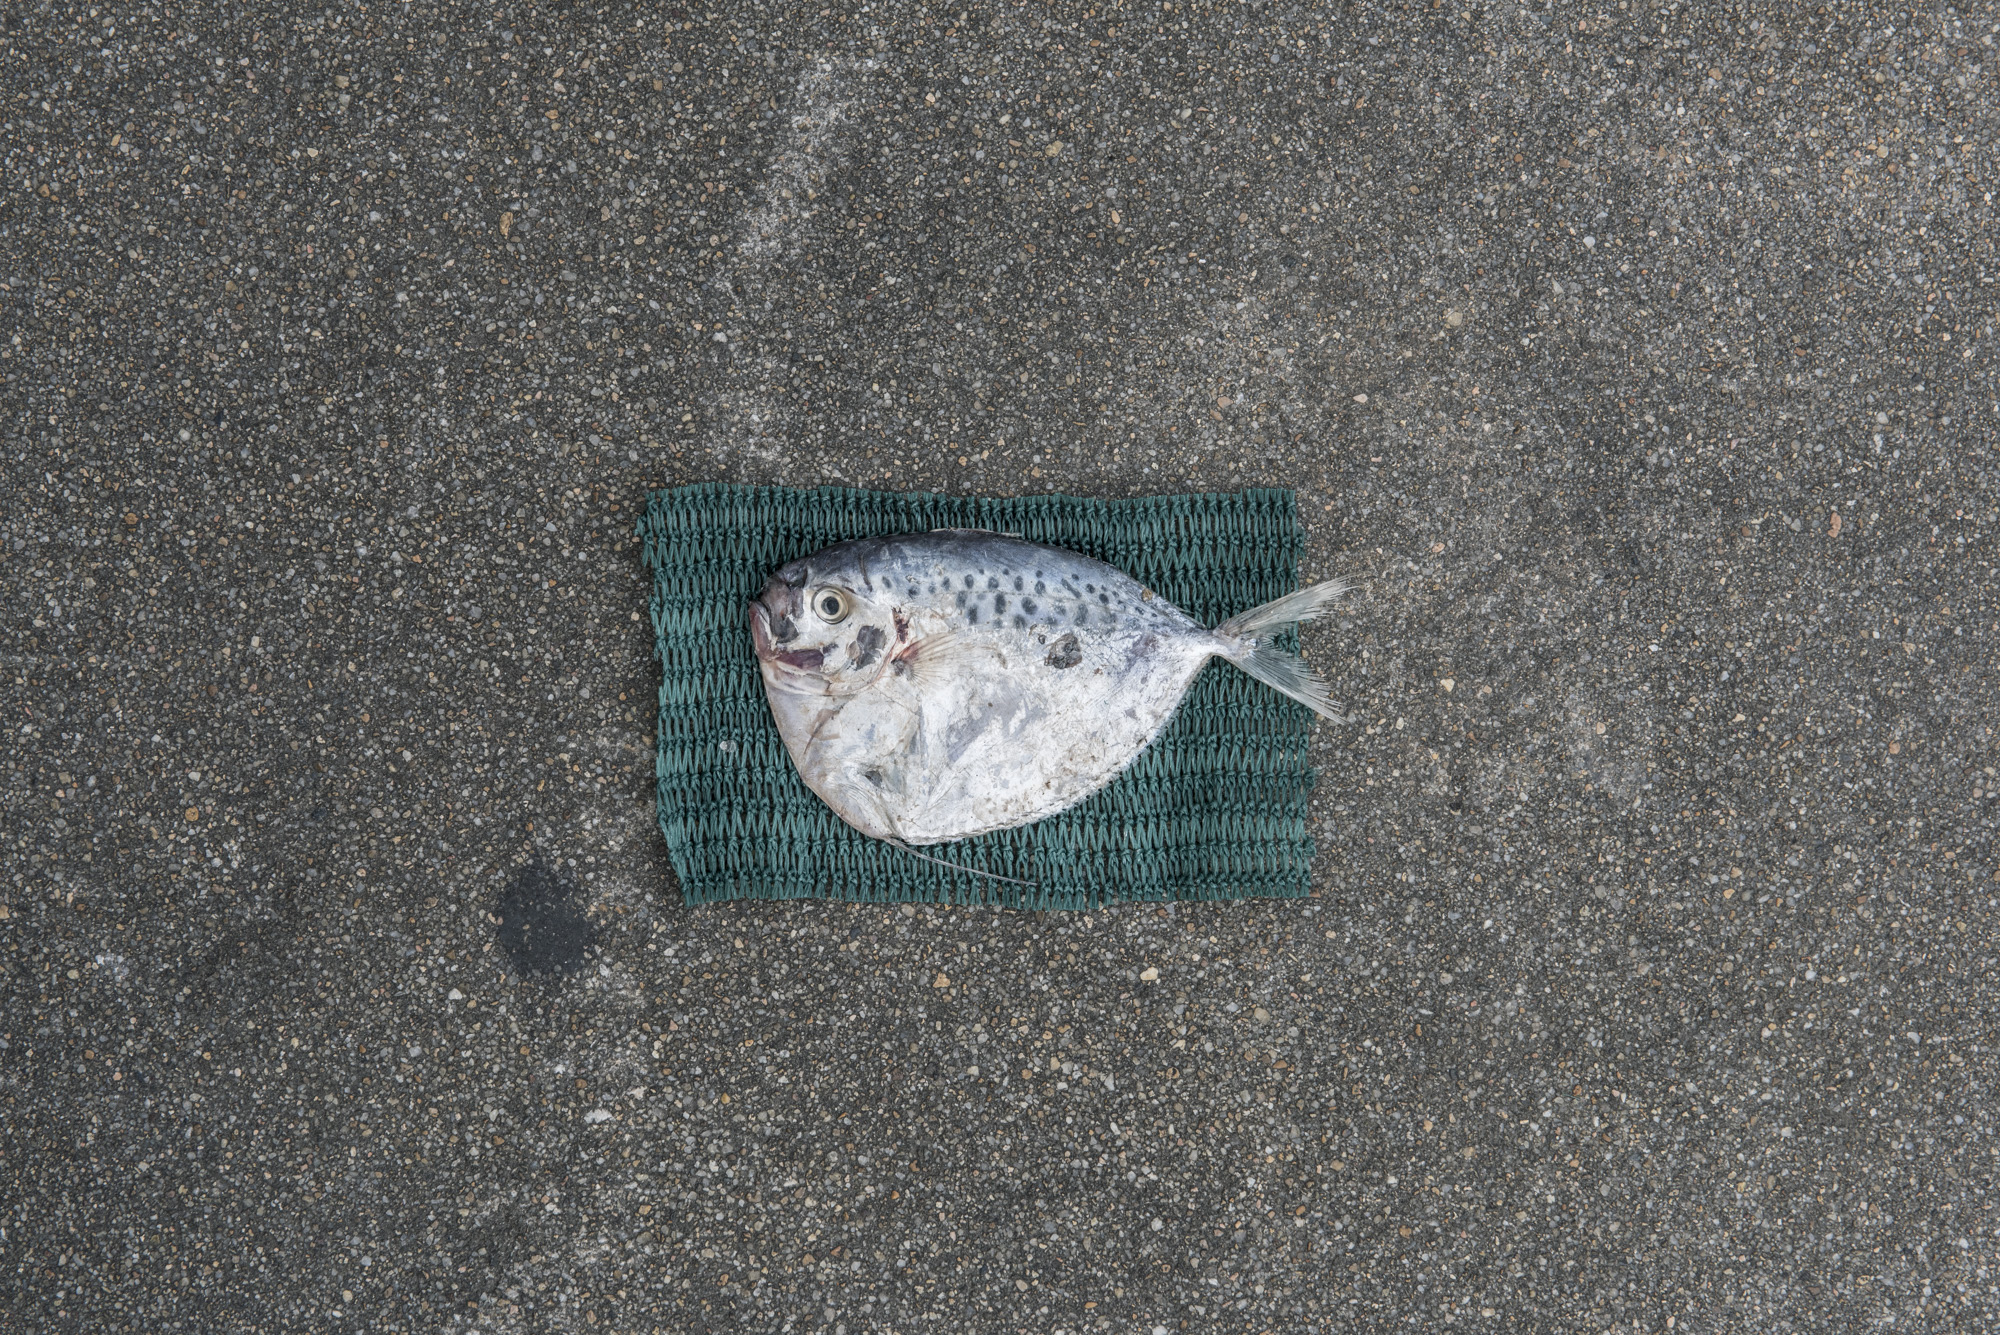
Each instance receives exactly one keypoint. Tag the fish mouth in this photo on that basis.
(760, 632)
(774, 615)
(771, 629)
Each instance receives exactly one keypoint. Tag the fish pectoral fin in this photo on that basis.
(936, 656)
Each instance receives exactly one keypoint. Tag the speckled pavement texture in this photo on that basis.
(1639, 358)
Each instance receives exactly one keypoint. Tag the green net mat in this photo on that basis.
(1215, 808)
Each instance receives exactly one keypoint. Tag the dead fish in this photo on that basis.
(931, 687)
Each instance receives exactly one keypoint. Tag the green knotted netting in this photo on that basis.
(1215, 808)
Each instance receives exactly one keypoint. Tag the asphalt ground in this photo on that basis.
(1639, 358)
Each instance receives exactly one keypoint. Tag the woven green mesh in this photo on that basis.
(1215, 809)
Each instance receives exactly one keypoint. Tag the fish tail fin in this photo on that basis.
(1306, 604)
(1287, 672)
(1277, 668)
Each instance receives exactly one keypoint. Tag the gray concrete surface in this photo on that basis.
(1639, 357)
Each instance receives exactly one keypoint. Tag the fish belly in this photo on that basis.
(1002, 749)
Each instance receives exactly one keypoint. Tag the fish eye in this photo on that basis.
(832, 605)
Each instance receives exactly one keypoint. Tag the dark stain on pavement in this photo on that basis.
(541, 927)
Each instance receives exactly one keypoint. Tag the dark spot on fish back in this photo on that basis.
(992, 581)
(1017, 583)
(868, 645)
(999, 603)
(1028, 606)
(1065, 653)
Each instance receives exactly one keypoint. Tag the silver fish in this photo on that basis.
(935, 686)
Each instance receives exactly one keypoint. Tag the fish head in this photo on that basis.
(816, 629)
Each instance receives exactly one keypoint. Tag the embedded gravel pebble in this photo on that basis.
(1638, 358)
